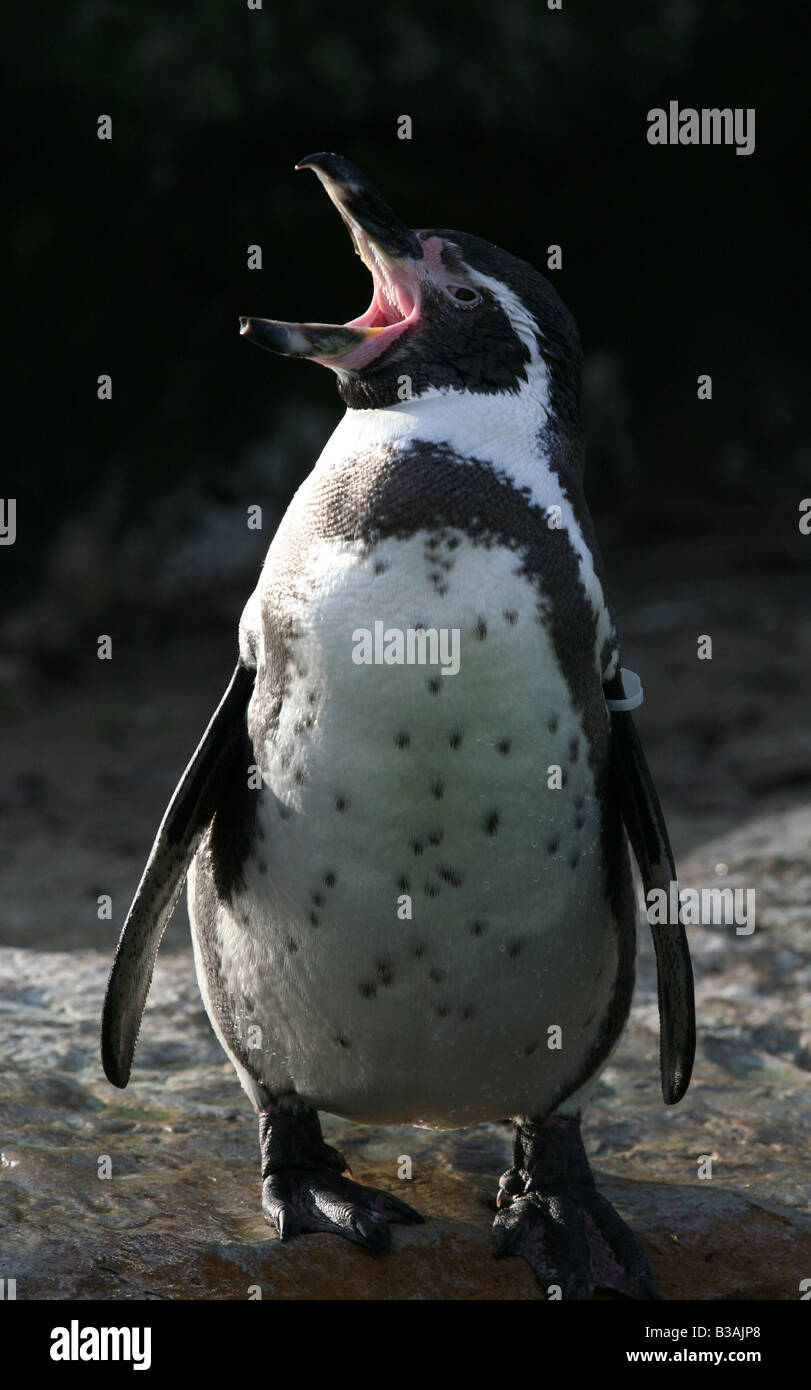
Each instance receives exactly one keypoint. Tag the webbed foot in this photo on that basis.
(551, 1214)
(303, 1189)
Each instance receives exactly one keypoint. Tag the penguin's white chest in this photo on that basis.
(423, 935)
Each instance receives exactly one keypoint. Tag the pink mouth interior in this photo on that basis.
(396, 298)
(395, 306)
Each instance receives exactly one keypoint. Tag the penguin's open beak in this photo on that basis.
(391, 252)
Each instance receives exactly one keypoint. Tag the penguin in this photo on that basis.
(405, 829)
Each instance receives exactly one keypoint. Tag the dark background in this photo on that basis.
(529, 128)
(129, 256)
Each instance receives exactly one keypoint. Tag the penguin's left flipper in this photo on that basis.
(645, 825)
(187, 817)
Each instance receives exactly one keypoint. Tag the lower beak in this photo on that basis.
(323, 342)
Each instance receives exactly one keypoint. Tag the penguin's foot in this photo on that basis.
(299, 1202)
(303, 1190)
(551, 1214)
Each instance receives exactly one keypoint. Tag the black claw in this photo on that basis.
(511, 1184)
(286, 1224)
(373, 1232)
(401, 1211)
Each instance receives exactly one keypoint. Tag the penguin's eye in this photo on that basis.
(463, 296)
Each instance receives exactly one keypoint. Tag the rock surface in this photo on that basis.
(179, 1217)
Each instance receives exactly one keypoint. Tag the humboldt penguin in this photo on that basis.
(405, 828)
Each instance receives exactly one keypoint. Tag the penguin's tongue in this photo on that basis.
(387, 247)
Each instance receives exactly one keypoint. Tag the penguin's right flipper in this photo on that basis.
(645, 825)
(187, 817)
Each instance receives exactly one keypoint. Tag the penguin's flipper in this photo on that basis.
(645, 825)
(187, 817)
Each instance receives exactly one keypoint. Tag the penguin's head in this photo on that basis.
(449, 312)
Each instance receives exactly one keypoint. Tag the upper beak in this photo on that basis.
(366, 214)
(387, 247)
